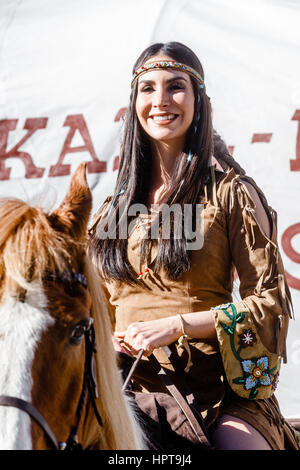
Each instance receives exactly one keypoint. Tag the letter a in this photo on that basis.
(77, 122)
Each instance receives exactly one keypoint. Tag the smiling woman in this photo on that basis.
(164, 291)
(165, 105)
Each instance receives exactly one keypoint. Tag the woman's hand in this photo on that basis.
(119, 346)
(149, 335)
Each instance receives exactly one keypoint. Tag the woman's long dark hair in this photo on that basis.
(135, 168)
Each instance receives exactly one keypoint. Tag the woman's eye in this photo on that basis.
(176, 86)
(146, 89)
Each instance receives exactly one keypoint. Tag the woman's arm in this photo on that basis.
(153, 334)
(252, 332)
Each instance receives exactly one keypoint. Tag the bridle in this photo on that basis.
(89, 380)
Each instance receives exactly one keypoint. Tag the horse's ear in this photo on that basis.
(73, 214)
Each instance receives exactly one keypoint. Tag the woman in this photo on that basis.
(163, 289)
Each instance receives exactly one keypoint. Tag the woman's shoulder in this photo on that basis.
(241, 191)
(229, 182)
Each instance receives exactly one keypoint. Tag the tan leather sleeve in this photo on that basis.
(252, 333)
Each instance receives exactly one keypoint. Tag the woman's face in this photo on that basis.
(165, 104)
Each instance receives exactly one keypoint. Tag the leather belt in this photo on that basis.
(185, 403)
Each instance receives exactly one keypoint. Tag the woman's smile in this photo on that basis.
(163, 119)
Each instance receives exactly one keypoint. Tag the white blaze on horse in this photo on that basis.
(54, 387)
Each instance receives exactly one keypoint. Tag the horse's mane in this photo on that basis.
(118, 432)
(29, 245)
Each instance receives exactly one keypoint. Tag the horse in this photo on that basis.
(60, 385)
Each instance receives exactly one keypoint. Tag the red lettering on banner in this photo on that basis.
(261, 138)
(231, 149)
(286, 242)
(120, 114)
(116, 163)
(295, 164)
(292, 281)
(77, 122)
(8, 125)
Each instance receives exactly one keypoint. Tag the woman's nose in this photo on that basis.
(161, 98)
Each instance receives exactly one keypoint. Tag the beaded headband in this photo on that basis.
(171, 64)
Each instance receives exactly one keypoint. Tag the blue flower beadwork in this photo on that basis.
(256, 371)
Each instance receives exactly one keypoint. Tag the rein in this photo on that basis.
(89, 383)
(33, 412)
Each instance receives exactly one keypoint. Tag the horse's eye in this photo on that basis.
(71, 289)
(77, 332)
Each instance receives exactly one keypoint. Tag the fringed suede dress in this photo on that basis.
(238, 372)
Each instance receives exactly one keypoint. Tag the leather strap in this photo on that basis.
(132, 369)
(194, 418)
(33, 412)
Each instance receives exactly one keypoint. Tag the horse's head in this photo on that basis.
(49, 294)
(44, 314)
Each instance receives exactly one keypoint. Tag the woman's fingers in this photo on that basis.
(121, 347)
(135, 340)
(119, 334)
(126, 343)
(149, 335)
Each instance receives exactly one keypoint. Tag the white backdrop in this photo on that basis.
(65, 69)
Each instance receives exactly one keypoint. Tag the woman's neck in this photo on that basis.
(164, 161)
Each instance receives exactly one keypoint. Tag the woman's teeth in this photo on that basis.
(167, 117)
